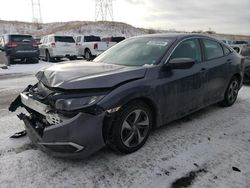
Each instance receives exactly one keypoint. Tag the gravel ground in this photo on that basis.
(210, 148)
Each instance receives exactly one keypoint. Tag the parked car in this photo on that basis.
(113, 39)
(54, 47)
(139, 84)
(19, 47)
(91, 46)
(246, 54)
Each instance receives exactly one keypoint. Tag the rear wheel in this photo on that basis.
(33, 60)
(48, 57)
(131, 128)
(9, 61)
(87, 54)
(72, 58)
(231, 92)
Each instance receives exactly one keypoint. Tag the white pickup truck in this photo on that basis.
(91, 46)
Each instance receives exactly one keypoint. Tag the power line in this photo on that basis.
(104, 10)
(36, 11)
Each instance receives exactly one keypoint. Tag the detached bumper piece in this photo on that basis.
(77, 138)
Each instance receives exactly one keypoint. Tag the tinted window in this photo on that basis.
(64, 39)
(212, 49)
(226, 50)
(136, 51)
(20, 38)
(188, 49)
(92, 39)
(117, 39)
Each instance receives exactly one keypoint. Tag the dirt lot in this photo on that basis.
(210, 148)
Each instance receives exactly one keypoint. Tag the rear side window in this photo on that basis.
(64, 39)
(213, 49)
(92, 39)
(188, 49)
(20, 38)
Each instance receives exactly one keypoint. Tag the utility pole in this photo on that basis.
(104, 10)
(36, 13)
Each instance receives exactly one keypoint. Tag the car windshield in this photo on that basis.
(136, 51)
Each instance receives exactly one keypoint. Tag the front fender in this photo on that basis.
(138, 89)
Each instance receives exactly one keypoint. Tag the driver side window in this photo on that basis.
(188, 49)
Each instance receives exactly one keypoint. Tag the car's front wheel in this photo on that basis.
(231, 93)
(130, 128)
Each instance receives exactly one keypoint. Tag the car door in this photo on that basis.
(182, 91)
(216, 69)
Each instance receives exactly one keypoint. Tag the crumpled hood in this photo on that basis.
(88, 75)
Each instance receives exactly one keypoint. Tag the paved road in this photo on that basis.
(202, 147)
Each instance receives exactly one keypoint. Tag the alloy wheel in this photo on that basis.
(233, 91)
(135, 128)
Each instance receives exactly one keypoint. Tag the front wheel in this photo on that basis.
(231, 92)
(131, 128)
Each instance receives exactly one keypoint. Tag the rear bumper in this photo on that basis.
(80, 137)
(55, 53)
(23, 54)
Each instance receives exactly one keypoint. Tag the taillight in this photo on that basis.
(11, 44)
(95, 46)
(53, 44)
(34, 44)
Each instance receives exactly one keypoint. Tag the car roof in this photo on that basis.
(177, 35)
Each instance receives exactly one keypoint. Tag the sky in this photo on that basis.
(222, 16)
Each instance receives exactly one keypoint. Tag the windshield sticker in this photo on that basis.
(158, 43)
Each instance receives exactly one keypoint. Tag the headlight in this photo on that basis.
(76, 103)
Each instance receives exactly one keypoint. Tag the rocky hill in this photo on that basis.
(76, 27)
(101, 28)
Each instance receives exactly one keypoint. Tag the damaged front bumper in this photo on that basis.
(75, 137)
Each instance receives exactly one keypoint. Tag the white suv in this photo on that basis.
(56, 47)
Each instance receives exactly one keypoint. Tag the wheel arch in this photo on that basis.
(108, 119)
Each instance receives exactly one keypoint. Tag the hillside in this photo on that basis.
(101, 28)
(76, 27)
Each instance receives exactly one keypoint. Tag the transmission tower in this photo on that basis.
(104, 10)
(36, 11)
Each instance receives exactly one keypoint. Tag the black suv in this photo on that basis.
(22, 47)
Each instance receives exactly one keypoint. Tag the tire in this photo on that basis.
(72, 58)
(33, 60)
(231, 92)
(48, 58)
(87, 54)
(9, 61)
(130, 128)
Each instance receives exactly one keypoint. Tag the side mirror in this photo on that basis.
(180, 63)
